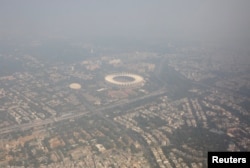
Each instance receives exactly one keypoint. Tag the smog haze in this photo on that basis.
(194, 20)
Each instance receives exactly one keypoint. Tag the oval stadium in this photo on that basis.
(124, 80)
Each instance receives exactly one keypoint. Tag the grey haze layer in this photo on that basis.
(193, 19)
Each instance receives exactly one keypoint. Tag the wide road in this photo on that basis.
(99, 111)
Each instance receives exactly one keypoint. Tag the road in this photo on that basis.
(99, 112)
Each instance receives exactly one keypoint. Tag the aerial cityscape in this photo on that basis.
(123, 85)
(151, 110)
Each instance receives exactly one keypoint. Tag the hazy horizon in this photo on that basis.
(188, 20)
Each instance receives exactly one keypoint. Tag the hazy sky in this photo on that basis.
(125, 18)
